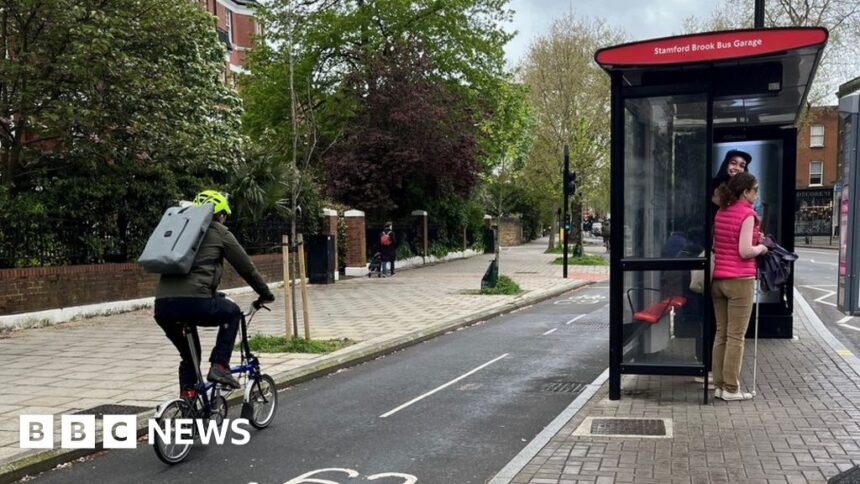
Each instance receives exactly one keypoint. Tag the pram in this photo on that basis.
(375, 265)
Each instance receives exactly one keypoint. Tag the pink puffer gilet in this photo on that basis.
(728, 263)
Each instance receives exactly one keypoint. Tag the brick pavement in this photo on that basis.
(126, 359)
(803, 426)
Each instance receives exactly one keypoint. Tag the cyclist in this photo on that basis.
(193, 298)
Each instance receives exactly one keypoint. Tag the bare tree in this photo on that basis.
(841, 17)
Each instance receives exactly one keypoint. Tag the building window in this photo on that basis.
(816, 136)
(815, 173)
(228, 24)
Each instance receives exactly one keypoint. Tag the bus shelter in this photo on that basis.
(679, 106)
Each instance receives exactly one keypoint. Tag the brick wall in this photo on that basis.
(356, 245)
(511, 232)
(39, 288)
(827, 116)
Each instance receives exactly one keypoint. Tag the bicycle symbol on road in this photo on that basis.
(308, 478)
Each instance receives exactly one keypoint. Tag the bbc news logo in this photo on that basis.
(120, 431)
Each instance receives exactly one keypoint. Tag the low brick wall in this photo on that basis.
(40, 288)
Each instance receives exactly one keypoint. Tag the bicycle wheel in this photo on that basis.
(218, 411)
(171, 452)
(263, 400)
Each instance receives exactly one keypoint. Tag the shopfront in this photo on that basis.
(813, 211)
(679, 105)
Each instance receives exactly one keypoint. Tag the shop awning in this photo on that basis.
(758, 77)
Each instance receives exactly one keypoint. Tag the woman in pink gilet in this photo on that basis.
(736, 237)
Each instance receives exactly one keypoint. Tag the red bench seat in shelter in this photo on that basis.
(653, 313)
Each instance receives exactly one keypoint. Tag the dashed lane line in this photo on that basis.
(575, 319)
(441, 387)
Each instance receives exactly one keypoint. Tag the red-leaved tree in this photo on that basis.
(410, 140)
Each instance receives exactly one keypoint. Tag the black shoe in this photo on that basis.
(219, 374)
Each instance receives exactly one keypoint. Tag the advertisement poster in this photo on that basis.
(765, 164)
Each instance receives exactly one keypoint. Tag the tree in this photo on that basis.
(123, 91)
(311, 47)
(841, 17)
(410, 140)
(505, 144)
(569, 95)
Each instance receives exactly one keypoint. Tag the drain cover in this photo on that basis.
(625, 427)
(103, 410)
(563, 387)
(851, 476)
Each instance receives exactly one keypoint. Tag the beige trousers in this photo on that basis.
(733, 301)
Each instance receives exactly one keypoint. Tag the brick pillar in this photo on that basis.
(329, 227)
(356, 245)
(422, 232)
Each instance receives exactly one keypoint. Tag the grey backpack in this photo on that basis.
(172, 247)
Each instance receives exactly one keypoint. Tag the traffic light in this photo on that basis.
(569, 184)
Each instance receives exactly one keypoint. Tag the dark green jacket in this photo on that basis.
(218, 244)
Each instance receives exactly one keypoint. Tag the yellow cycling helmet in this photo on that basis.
(217, 199)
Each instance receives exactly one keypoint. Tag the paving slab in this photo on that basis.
(803, 425)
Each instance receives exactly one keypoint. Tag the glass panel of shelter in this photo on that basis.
(665, 216)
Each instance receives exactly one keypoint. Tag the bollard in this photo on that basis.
(304, 285)
(285, 249)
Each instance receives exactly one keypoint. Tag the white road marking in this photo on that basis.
(575, 319)
(855, 328)
(819, 287)
(828, 292)
(431, 392)
(807, 251)
(550, 331)
(845, 320)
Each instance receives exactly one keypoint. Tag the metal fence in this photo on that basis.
(55, 242)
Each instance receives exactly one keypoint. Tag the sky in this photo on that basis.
(640, 19)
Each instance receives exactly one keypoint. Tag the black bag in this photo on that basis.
(774, 268)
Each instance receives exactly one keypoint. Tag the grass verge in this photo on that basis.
(279, 344)
(585, 260)
(505, 286)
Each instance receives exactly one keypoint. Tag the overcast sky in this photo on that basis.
(640, 19)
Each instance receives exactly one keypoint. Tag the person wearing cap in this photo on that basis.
(194, 298)
(735, 161)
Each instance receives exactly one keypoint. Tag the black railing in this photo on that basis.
(55, 242)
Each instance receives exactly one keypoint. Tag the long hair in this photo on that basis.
(731, 191)
(723, 172)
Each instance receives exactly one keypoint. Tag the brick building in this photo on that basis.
(236, 27)
(817, 171)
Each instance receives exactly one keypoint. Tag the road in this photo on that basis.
(511, 376)
(815, 275)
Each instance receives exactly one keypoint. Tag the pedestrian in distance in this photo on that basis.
(736, 245)
(193, 298)
(387, 249)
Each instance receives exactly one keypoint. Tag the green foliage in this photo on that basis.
(504, 287)
(325, 44)
(583, 260)
(279, 344)
(438, 250)
(403, 251)
(125, 113)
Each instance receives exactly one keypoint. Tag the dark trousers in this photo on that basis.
(171, 313)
